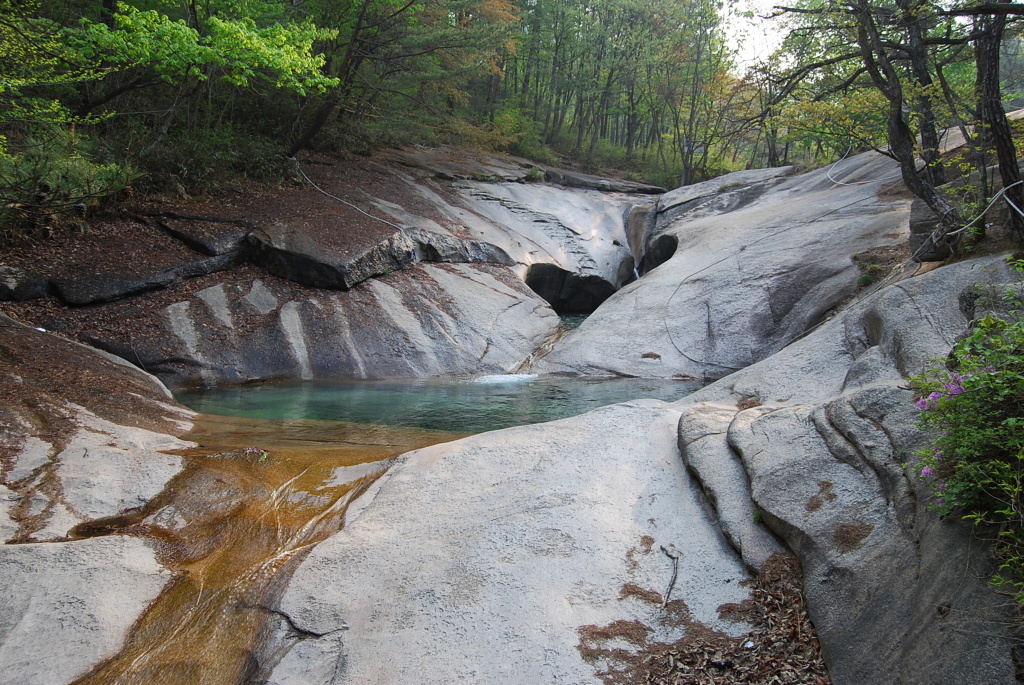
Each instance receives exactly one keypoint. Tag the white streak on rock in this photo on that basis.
(33, 454)
(345, 329)
(420, 358)
(217, 300)
(180, 319)
(261, 299)
(291, 324)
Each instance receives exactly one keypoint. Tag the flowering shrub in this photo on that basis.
(975, 464)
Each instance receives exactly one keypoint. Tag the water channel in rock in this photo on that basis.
(273, 473)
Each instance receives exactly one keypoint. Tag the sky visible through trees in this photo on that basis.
(98, 96)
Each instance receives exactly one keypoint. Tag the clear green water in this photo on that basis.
(462, 405)
(571, 321)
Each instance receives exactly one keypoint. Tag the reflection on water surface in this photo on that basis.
(469, 405)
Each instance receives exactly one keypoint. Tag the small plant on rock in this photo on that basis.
(974, 404)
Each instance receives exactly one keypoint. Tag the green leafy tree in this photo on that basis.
(906, 51)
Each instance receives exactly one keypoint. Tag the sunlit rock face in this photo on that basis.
(735, 272)
(486, 559)
(580, 231)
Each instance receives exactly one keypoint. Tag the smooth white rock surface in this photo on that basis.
(107, 468)
(479, 560)
(76, 598)
(582, 231)
(753, 270)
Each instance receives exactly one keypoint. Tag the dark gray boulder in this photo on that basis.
(110, 286)
(205, 235)
(296, 256)
(429, 320)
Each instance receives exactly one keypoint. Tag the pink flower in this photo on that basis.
(926, 471)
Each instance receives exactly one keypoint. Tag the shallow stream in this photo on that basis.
(274, 471)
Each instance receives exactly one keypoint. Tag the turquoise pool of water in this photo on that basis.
(465, 405)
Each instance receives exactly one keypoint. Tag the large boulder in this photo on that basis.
(816, 437)
(749, 272)
(430, 320)
(923, 225)
(751, 182)
(297, 256)
(575, 179)
(501, 557)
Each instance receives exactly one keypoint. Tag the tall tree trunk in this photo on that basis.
(901, 139)
(334, 98)
(996, 129)
(918, 52)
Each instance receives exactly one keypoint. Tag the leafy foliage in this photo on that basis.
(236, 50)
(52, 181)
(975, 464)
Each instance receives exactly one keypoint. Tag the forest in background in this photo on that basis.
(99, 98)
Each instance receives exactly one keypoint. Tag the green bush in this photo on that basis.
(210, 161)
(47, 181)
(974, 404)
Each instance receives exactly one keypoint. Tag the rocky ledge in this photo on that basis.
(575, 551)
(396, 267)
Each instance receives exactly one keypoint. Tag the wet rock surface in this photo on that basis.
(80, 432)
